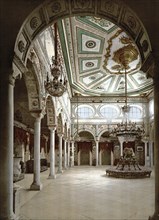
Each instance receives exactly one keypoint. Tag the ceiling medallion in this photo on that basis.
(90, 44)
(89, 64)
(125, 55)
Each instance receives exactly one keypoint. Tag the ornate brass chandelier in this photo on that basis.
(56, 85)
(127, 129)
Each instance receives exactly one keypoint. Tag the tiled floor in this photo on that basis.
(86, 193)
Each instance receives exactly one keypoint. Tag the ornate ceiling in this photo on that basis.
(97, 53)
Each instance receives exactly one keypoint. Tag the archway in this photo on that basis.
(55, 11)
(84, 153)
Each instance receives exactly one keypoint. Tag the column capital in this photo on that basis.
(38, 114)
(60, 134)
(121, 139)
(52, 128)
(11, 80)
(97, 139)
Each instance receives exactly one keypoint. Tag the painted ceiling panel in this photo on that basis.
(103, 85)
(98, 23)
(88, 64)
(89, 42)
(91, 79)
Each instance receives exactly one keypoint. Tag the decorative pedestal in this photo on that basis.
(16, 201)
(128, 167)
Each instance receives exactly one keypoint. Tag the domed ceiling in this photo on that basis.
(97, 53)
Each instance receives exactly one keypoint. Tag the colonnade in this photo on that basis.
(6, 153)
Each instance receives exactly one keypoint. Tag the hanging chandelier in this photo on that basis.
(127, 129)
(56, 85)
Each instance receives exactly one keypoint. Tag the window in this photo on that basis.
(135, 112)
(151, 107)
(109, 111)
(85, 111)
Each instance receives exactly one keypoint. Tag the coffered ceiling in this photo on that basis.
(95, 51)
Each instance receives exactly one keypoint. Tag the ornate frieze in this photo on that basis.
(108, 99)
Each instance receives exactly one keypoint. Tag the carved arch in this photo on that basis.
(83, 130)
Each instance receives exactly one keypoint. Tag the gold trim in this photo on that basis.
(125, 55)
(107, 55)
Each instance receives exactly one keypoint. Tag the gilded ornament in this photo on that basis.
(125, 55)
(108, 49)
(125, 40)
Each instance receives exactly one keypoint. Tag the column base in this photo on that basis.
(52, 176)
(59, 171)
(36, 187)
(11, 217)
(154, 217)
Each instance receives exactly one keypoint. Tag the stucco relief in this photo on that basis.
(56, 9)
(35, 23)
(110, 7)
(87, 5)
(130, 22)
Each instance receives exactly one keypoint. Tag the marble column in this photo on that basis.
(23, 152)
(156, 146)
(79, 158)
(112, 158)
(121, 141)
(68, 154)
(27, 152)
(90, 158)
(52, 174)
(6, 149)
(60, 154)
(65, 155)
(72, 148)
(100, 157)
(97, 152)
(151, 153)
(36, 185)
(145, 143)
